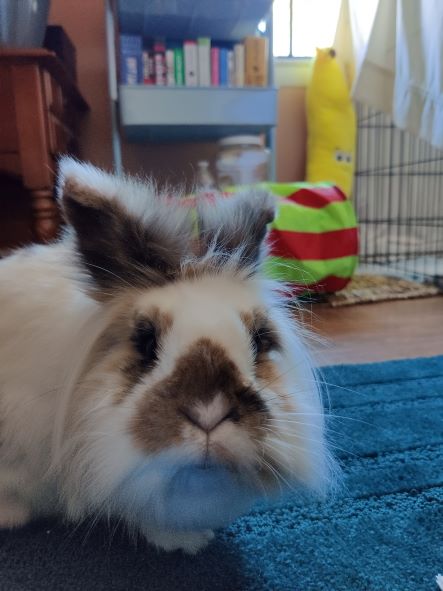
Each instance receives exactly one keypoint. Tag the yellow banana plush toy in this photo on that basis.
(331, 124)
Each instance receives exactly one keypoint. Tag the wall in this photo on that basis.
(86, 28)
(85, 25)
(291, 134)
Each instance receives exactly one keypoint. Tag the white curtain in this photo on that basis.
(393, 51)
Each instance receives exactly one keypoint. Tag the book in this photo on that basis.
(239, 64)
(231, 81)
(191, 62)
(131, 71)
(215, 66)
(256, 64)
(160, 63)
(179, 68)
(170, 68)
(204, 61)
(148, 67)
(223, 66)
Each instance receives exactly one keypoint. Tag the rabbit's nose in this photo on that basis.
(208, 417)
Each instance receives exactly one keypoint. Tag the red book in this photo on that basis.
(160, 63)
(215, 69)
(148, 67)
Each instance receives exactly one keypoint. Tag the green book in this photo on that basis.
(204, 61)
(179, 66)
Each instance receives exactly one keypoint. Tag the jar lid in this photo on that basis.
(235, 140)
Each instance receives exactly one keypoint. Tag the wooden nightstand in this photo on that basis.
(40, 108)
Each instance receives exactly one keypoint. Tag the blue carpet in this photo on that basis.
(382, 532)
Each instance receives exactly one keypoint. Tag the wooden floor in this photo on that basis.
(375, 332)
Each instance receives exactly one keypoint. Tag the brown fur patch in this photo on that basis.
(245, 228)
(118, 250)
(199, 375)
(248, 319)
(115, 351)
(263, 333)
(268, 373)
(134, 368)
(162, 320)
(85, 196)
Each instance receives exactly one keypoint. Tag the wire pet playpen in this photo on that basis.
(399, 200)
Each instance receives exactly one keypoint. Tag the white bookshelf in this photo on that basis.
(187, 114)
(144, 113)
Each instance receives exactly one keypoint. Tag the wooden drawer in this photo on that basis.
(39, 105)
(58, 103)
(8, 126)
(54, 99)
(60, 136)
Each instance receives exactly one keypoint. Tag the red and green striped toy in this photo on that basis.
(314, 238)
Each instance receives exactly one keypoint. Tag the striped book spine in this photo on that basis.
(179, 67)
(170, 68)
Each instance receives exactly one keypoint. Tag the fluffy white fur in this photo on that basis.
(64, 444)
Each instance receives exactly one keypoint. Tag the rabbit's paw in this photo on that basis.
(189, 542)
(13, 513)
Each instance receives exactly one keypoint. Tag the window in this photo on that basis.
(302, 25)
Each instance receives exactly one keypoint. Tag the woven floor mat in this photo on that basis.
(364, 289)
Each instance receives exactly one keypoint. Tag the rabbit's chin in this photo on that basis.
(187, 497)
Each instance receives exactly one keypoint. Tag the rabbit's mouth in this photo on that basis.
(189, 497)
(206, 496)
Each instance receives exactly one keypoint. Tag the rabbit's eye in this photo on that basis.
(264, 340)
(145, 341)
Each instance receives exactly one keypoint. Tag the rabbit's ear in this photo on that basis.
(237, 224)
(125, 234)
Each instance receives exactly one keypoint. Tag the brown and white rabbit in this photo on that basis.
(148, 375)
